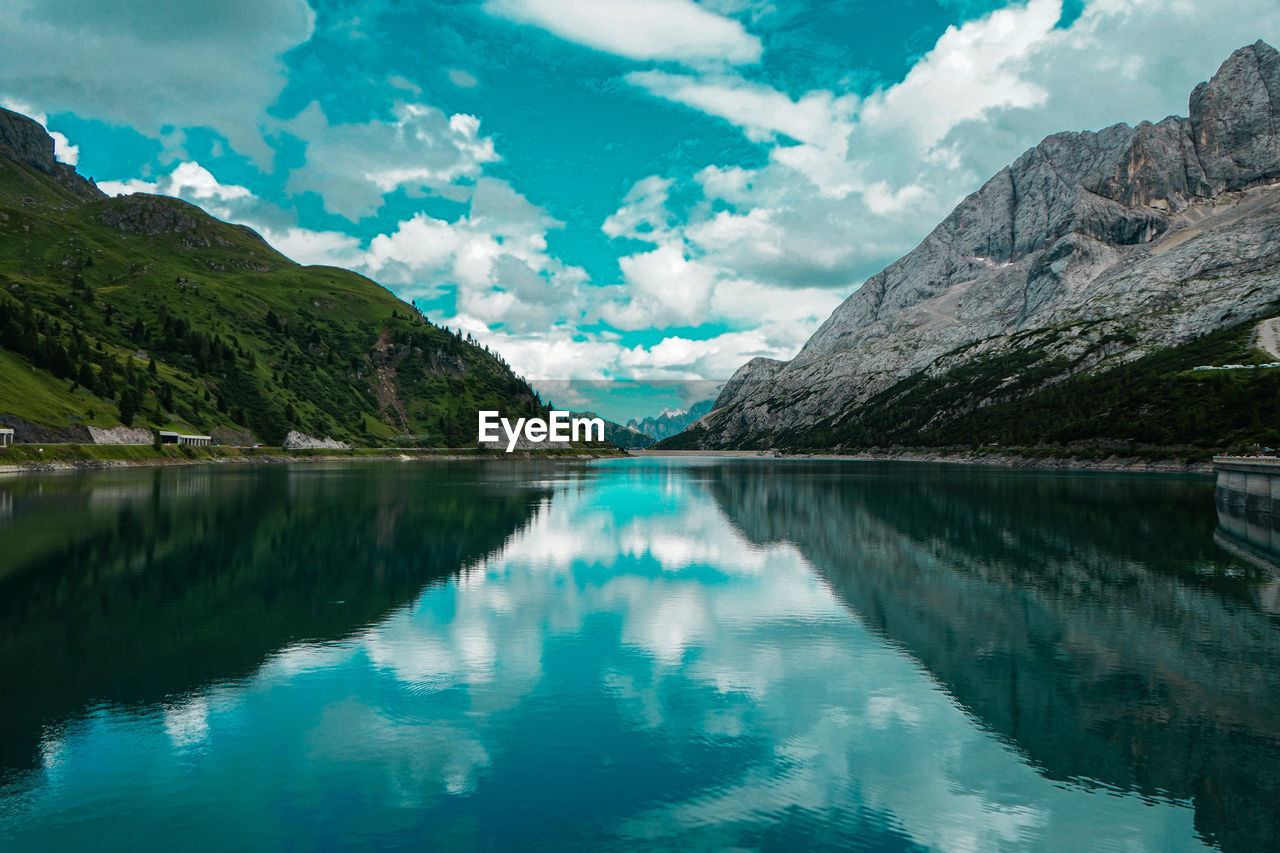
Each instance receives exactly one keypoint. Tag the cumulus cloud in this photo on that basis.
(678, 30)
(819, 121)
(971, 71)
(566, 353)
(325, 248)
(702, 264)
(644, 215)
(194, 183)
(420, 150)
(494, 258)
(663, 288)
(151, 65)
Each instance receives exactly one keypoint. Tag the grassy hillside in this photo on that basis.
(1033, 399)
(146, 311)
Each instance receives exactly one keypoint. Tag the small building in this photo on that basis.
(6, 436)
(171, 437)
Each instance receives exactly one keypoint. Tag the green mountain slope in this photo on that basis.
(144, 310)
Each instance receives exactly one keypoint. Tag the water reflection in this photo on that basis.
(130, 587)
(718, 656)
(1088, 620)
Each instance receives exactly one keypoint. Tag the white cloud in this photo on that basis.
(562, 353)
(325, 248)
(462, 79)
(205, 63)
(421, 243)
(819, 121)
(421, 150)
(643, 215)
(495, 258)
(129, 187)
(194, 183)
(662, 288)
(679, 30)
(971, 71)
(191, 180)
(760, 111)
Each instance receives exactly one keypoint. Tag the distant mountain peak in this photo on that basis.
(670, 422)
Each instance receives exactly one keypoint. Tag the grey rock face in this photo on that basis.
(1162, 231)
(668, 424)
(27, 142)
(121, 435)
(301, 441)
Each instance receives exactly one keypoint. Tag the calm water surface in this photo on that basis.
(635, 654)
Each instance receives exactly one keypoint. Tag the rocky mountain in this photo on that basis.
(146, 311)
(668, 423)
(619, 435)
(1091, 250)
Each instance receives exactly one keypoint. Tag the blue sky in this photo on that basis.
(654, 189)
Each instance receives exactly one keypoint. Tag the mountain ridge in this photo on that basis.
(670, 423)
(144, 309)
(1103, 246)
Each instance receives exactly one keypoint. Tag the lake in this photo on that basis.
(631, 655)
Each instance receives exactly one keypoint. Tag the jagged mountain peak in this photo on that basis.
(27, 141)
(24, 140)
(1235, 119)
(1120, 227)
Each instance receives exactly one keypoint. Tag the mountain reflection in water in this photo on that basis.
(1087, 619)
(128, 587)
(629, 655)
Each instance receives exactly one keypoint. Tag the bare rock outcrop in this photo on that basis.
(28, 432)
(121, 435)
(24, 140)
(301, 441)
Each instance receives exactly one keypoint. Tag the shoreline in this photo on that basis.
(71, 458)
(1033, 463)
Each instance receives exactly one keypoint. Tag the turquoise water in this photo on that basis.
(635, 654)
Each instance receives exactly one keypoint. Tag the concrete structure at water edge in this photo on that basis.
(6, 436)
(1248, 499)
(170, 437)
